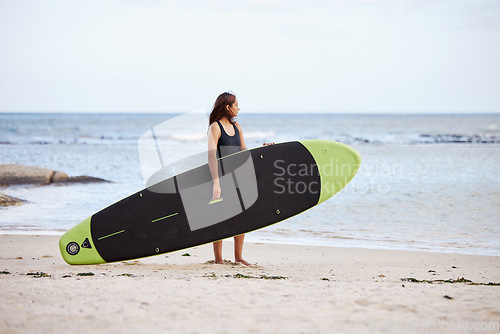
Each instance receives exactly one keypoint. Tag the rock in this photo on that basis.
(59, 176)
(11, 174)
(80, 179)
(6, 200)
(18, 174)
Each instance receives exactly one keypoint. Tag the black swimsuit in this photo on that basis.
(228, 144)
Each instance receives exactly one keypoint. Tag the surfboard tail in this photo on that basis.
(77, 246)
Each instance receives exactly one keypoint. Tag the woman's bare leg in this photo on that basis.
(238, 249)
(218, 252)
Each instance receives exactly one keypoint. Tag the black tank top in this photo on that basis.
(228, 144)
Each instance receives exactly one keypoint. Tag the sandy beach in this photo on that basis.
(290, 289)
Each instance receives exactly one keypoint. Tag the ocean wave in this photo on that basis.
(197, 137)
(120, 140)
(259, 135)
(455, 138)
(188, 137)
(416, 139)
(254, 136)
(70, 141)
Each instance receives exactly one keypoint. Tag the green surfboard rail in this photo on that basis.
(337, 164)
(84, 255)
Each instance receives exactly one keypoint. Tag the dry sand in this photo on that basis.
(326, 290)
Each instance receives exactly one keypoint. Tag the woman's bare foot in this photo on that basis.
(219, 262)
(243, 261)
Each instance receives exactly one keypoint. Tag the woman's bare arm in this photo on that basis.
(213, 138)
(243, 146)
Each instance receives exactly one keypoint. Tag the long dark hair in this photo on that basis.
(220, 107)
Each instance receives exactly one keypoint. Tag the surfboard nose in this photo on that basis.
(77, 246)
(337, 164)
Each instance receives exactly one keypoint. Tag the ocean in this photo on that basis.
(426, 182)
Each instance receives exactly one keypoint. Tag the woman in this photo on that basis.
(225, 137)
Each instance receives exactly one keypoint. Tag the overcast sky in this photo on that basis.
(276, 55)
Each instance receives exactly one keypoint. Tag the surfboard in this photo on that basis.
(260, 187)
